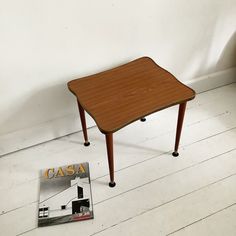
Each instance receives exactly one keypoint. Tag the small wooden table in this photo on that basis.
(120, 96)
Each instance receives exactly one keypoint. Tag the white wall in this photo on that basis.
(46, 43)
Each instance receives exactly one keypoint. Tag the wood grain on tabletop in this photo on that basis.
(117, 97)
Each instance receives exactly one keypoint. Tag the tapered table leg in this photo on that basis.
(109, 143)
(83, 122)
(182, 108)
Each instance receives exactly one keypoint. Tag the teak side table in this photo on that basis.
(120, 96)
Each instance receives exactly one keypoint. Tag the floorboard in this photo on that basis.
(218, 223)
(155, 193)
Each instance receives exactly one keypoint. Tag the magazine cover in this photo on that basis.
(65, 195)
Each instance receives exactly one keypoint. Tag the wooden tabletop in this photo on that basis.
(117, 97)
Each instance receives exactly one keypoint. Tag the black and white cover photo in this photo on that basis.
(65, 195)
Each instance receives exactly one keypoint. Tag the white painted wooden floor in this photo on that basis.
(156, 194)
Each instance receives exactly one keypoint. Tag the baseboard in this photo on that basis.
(69, 124)
(212, 81)
(41, 133)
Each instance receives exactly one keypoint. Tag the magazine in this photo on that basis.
(65, 195)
